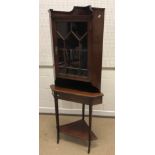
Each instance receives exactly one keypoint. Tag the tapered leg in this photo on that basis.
(57, 116)
(90, 122)
(83, 111)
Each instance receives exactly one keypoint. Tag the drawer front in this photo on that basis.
(79, 99)
(73, 98)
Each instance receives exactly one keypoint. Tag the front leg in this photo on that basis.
(90, 122)
(57, 115)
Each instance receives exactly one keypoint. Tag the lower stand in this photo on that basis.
(78, 129)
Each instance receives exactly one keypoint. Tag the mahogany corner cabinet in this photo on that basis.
(77, 38)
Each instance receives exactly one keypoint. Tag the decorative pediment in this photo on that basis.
(75, 11)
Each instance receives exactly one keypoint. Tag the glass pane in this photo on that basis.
(61, 58)
(72, 48)
(63, 28)
(71, 42)
(84, 52)
(79, 28)
(60, 42)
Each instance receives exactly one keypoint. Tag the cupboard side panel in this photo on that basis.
(97, 40)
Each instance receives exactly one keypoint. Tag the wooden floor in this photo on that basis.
(104, 128)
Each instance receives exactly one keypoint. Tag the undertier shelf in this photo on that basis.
(78, 129)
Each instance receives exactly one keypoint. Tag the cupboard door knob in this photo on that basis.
(99, 16)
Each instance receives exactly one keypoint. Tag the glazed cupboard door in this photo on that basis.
(71, 49)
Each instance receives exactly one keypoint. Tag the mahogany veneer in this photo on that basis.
(77, 95)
